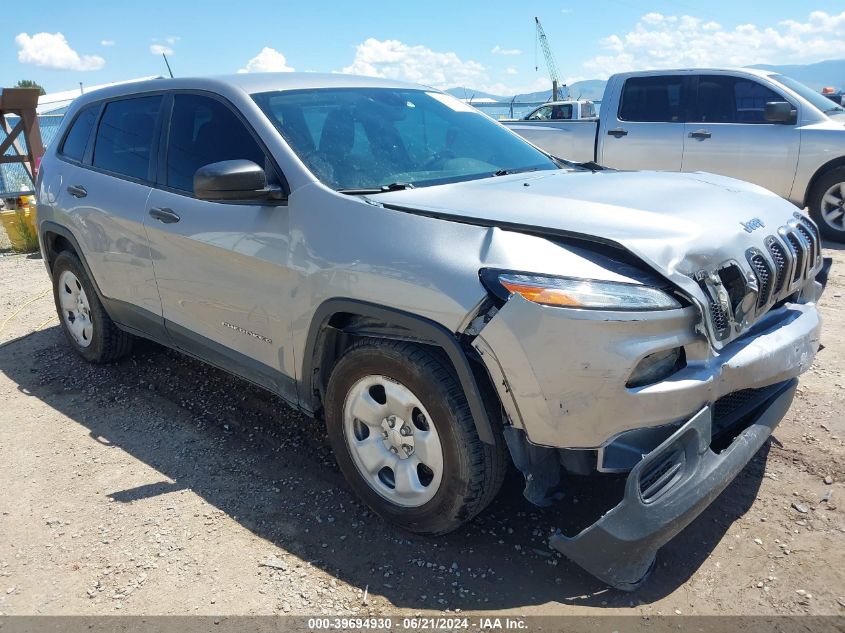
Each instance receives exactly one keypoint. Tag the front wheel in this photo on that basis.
(403, 436)
(827, 204)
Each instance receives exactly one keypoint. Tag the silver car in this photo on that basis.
(447, 297)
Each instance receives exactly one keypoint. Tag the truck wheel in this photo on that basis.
(827, 204)
(87, 327)
(403, 436)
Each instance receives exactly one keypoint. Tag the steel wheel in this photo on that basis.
(76, 311)
(833, 206)
(392, 440)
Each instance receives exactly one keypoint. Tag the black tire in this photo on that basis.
(815, 201)
(108, 342)
(472, 470)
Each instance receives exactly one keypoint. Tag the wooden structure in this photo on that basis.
(21, 103)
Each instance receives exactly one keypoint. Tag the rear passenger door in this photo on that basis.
(727, 134)
(647, 129)
(105, 172)
(222, 268)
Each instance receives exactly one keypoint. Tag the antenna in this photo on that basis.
(168, 65)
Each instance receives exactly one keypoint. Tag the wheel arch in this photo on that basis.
(337, 322)
(820, 172)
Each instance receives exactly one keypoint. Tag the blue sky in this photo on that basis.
(486, 45)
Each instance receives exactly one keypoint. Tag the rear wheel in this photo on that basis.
(827, 204)
(401, 430)
(87, 327)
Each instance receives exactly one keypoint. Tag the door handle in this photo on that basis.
(164, 215)
(77, 191)
(618, 132)
(700, 134)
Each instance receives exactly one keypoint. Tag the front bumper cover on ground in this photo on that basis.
(665, 491)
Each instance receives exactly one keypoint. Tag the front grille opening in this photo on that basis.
(803, 230)
(720, 319)
(779, 257)
(734, 283)
(736, 411)
(662, 475)
(799, 255)
(764, 277)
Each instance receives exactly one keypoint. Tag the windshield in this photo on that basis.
(357, 139)
(817, 99)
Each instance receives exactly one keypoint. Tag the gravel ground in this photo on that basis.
(159, 485)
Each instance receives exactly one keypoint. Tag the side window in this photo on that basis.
(562, 112)
(80, 131)
(541, 114)
(723, 99)
(125, 136)
(652, 99)
(204, 131)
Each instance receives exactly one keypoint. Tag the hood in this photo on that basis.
(685, 226)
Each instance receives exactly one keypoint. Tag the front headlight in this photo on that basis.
(576, 293)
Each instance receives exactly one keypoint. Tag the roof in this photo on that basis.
(250, 83)
(758, 72)
(61, 100)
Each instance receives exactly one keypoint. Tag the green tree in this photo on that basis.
(28, 83)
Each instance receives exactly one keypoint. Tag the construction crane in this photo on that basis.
(550, 59)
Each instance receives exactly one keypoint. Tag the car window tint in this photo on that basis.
(652, 99)
(77, 138)
(125, 136)
(723, 99)
(204, 131)
(562, 112)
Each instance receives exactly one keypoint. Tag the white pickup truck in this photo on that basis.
(753, 125)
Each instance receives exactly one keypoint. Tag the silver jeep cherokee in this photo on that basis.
(446, 296)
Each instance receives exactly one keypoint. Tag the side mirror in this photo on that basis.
(779, 112)
(234, 181)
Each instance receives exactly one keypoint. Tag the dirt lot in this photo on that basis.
(162, 486)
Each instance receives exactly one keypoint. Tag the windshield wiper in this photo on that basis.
(508, 172)
(394, 186)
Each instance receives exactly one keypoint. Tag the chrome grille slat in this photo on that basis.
(763, 272)
(798, 251)
(779, 257)
(806, 234)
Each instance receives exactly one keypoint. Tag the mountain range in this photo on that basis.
(816, 76)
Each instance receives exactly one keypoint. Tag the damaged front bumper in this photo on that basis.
(665, 491)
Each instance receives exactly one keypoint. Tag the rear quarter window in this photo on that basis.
(77, 137)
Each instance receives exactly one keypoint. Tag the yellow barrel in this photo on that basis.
(20, 225)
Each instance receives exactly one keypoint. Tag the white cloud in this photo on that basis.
(269, 60)
(160, 49)
(106, 42)
(395, 60)
(498, 50)
(510, 70)
(667, 41)
(51, 50)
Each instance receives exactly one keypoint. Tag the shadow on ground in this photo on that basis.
(270, 468)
